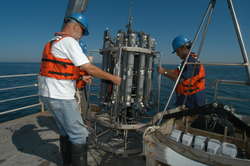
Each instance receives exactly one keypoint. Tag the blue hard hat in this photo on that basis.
(79, 17)
(83, 46)
(179, 41)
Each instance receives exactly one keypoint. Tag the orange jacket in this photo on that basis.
(58, 68)
(197, 84)
(81, 83)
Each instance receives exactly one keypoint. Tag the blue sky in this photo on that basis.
(26, 26)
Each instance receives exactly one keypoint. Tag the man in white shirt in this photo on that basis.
(61, 60)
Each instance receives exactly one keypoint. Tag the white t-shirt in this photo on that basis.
(66, 48)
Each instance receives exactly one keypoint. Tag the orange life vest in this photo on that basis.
(197, 84)
(58, 68)
(81, 83)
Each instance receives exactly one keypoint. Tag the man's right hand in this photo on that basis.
(99, 73)
(116, 80)
(160, 70)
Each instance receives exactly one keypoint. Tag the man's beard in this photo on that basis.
(76, 36)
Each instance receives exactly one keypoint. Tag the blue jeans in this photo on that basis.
(68, 118)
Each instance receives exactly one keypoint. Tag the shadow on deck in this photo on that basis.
(34, 141)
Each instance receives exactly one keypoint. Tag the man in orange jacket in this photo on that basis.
(60, 66)
(196, 95)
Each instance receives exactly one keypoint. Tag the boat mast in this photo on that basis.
(129, 18)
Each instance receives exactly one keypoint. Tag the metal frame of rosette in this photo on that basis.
(123, 106)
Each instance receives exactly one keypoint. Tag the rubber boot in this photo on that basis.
(65, 146)
(79, 154)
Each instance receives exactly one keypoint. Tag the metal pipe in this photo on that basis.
(178, 78)
(128, 48)
(136, 71)
(19, 98)
(110, 69)
(233, 82)
(140, 82)
(215, 91)
(75, 6)
(94, 84)
(198, 55)
(148, 86)
(105, 67)
(159, 84)
(129, 78)
(93, 51)
(87, 100)
(124, 76)
(205, 31)
(232, 98)
(40, 101)
(102, 133)
(116, 70)
(239, 36)
(21, 108)
(124, 72)
(118, 66)
(21, 75)
(218, 64)
(94, 94)
(125, 139)
(18, 87)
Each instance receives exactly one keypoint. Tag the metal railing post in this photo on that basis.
(39, 82)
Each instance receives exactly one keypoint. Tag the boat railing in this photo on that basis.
(34, 95)
(216, 82)
(92, 94)
(92, 84)
(23, 97)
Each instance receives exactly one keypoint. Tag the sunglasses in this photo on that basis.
(83, 29)
(75, 21)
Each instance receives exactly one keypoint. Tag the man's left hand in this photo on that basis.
(87, 79)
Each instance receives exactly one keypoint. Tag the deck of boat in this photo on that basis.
(34, 140)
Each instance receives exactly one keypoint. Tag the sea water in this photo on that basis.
(212, 72)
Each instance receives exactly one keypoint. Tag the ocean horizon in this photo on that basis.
(212, 72)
